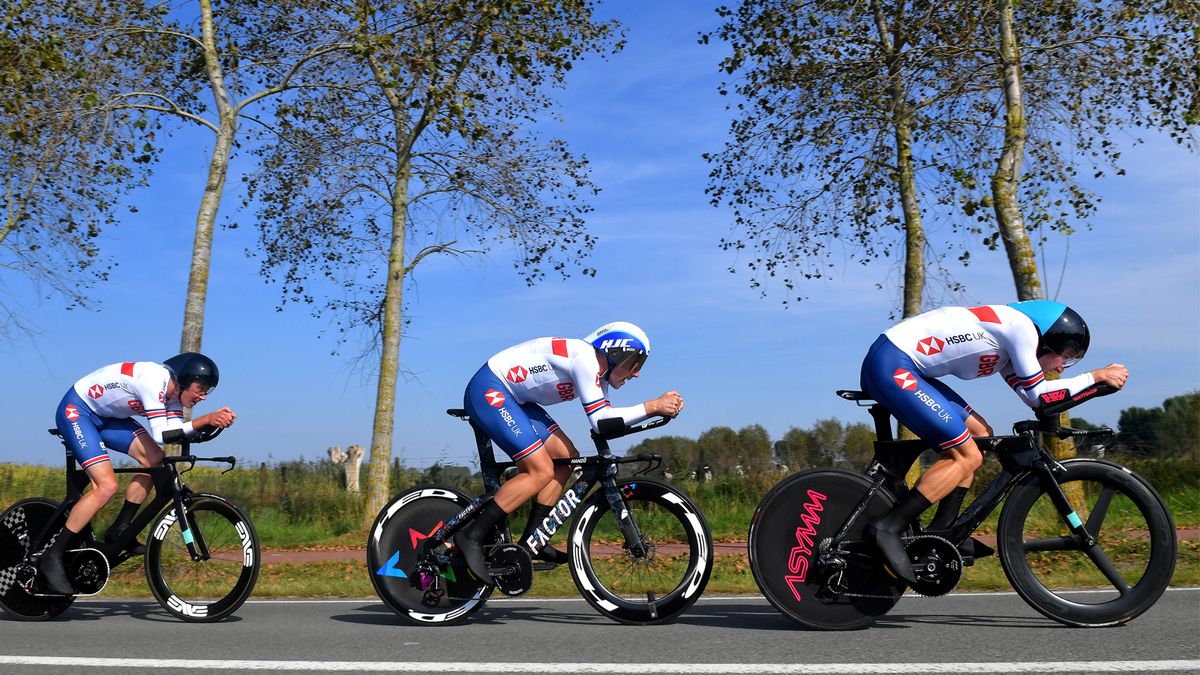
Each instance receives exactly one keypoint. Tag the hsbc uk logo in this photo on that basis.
(930, 346)
(517, 374)
(904, 379)
(95, 391)
(71, 413)
(494, 398)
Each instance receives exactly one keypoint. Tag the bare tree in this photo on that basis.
(242, 52)
(424, 145)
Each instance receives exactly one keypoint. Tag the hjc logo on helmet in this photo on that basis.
(613, 344)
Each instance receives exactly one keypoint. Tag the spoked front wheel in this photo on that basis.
(656, 584)
(203, 590)
(1131, 563)
(422, 589)
(21, 523)
(792, 524)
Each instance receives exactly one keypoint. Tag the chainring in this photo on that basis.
(511, 568)
(936, 562)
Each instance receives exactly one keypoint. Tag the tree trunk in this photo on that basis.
(1005, 182)
(218, 169)
(906, 186)
(389, 359)
(1007, 177)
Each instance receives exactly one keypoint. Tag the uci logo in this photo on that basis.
(614, 344)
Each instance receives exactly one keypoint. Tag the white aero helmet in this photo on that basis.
(622, 343)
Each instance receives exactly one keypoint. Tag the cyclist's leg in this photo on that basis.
(493, 409)
(939, 417)
(557, 446)
(78, 426)
(127, 436)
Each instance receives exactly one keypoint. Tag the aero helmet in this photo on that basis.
(622, 344)
(1060, 329)
(190, 367)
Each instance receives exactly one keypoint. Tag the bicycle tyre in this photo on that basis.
(652, 589)
(209, 590)
(788, 526)
(392, 549)
(1039, 558)
(19, 522)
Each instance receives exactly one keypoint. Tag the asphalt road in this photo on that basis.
(960, 633)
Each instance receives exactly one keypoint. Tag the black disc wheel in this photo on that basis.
(209, 589)
(19, 525)
(414, 581)
(786, 535)
(1130, 564)
(651, 585)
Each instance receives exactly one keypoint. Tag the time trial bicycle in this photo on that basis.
(811, 561)
(640, 551)
(201, 560)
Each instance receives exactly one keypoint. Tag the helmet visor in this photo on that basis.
(1071, 354)
(631, 360)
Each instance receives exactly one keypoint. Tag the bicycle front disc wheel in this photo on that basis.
(1130, 565)
(656, 584)
(203, 590)
(786, 533)
(21, 523)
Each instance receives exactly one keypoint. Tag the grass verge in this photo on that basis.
(731, 575)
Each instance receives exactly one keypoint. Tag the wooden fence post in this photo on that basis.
(354, 455)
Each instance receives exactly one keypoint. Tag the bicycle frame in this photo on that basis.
(168, 489)
(1020, 455)
(600, 469)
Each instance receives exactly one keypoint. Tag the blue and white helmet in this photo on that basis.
(1060, 329)
(622, 343)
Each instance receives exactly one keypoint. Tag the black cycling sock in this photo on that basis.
(886, 533)
(904, 512)
(124, 517)
(538, 513)
(51, 565)
(479, 531)
(947, 509)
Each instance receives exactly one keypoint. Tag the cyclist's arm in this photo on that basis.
(1025, 375)
(585, 373)
(152, 392)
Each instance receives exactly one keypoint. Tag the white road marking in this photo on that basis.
(641, 668)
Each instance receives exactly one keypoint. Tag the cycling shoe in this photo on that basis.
(893, 551)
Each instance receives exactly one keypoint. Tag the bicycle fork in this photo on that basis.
(193, 537)
(629, 527)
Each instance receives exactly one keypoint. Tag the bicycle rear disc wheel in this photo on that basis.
(392, 557)
(1131, 564)
(206, 590)
(21, 522)
(788, 527)
(651, 588)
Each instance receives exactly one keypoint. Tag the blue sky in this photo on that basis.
(643, 118)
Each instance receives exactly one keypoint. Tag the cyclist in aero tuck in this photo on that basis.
(98, 408)
(505, 398)
(1021, 341)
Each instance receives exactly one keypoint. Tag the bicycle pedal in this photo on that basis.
(544, 566)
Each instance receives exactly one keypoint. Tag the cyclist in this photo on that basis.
(98, 409)
(504, 400)
(1021, 341)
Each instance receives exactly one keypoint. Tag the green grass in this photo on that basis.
(731, 576)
